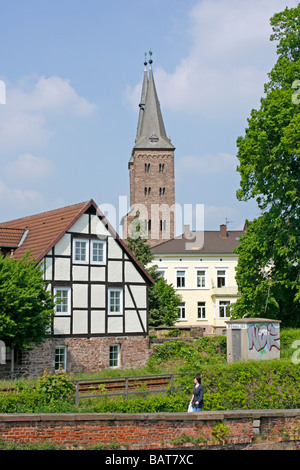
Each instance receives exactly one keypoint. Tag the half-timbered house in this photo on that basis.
(101, 290)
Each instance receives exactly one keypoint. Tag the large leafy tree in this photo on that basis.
(26, 307)
(268, 153)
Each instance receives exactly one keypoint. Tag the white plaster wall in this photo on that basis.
(80, 321)
(80, 273)
(115, 271)
(132, 322)
(63, 247)
(131, 273)
(115, 324)
(98, 296)
(98, 227)
(98, 273)
(62, 325)
(128, 300)
(114, 250)
(48, 269)
(80, 296)
(62, 269)
(82, 225)
(140, 296)
(98, 321)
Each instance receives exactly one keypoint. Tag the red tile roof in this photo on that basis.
(11, 237)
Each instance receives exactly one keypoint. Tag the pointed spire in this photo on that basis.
(151, 131)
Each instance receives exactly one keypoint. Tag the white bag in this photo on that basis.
(190, 408)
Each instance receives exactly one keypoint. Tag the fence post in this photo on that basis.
(126, 388)
(76, 393)
(172, 382)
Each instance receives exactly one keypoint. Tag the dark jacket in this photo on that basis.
(198, 393)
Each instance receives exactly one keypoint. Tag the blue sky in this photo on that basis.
(73, 71)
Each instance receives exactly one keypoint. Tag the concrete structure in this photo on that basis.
(253, 338)
(204, 276)
(101, 315)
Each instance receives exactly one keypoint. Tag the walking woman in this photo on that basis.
(198, 392)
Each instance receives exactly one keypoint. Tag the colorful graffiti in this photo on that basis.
(263, 337)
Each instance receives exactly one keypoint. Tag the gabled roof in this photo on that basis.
(213, 243)
(44, 230)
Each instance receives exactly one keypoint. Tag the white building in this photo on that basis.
(203, 276)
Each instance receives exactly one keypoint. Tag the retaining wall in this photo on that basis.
(152, 430)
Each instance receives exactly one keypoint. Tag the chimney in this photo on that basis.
(187, 232)
(223, 231)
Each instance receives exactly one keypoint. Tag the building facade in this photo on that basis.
(203, 276)
(151, 170)
(101, 291)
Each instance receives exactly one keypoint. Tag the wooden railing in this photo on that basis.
(126, 386)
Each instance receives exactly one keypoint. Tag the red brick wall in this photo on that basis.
(149, 431)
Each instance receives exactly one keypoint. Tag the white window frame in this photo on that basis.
(181, 277)
(62, 354)
(86, 242)
(222, 304)
(202, 276)
(110, 290)
(221, 277)
(182, 312)
(68, 290)
(114, 349)
(202, 309)
(99, 242)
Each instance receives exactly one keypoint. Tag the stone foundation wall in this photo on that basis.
(153, 430)
(84, 354)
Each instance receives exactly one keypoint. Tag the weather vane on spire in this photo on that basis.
(150, 60)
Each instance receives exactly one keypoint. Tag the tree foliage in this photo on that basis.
(163, 299)
(268, 153)
(26, 307)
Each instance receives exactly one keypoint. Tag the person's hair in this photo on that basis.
(198, 379)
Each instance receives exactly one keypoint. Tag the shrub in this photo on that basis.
(55, 387)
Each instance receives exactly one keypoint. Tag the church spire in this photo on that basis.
(151, 133)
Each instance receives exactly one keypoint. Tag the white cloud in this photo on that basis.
(49, 94)
(29, 167)
(224, 73)
(24, 122)
(206, 165)
(18, 199)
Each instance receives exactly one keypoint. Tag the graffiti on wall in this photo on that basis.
(263, 337)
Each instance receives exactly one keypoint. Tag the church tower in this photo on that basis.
(151, 169)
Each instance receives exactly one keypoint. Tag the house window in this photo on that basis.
(114, 355)
(62, 301)
(81, 251)
(60, 360)
(181, 311)
(162, 225)
(201, 311)
(224, 308)
(180, 279)
(147, 167)
(221, 278)
(162, 191)
(201, 278)
(161, 167)
(147, 191)
(98, 252)
(115, 297)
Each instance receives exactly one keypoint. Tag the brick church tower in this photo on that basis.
(151, 169)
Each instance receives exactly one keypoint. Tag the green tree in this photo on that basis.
(26, 307)
(268, 266)
(163, 299)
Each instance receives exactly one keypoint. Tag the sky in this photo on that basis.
(73, 69)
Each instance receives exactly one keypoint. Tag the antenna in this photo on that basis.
(228, 221)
